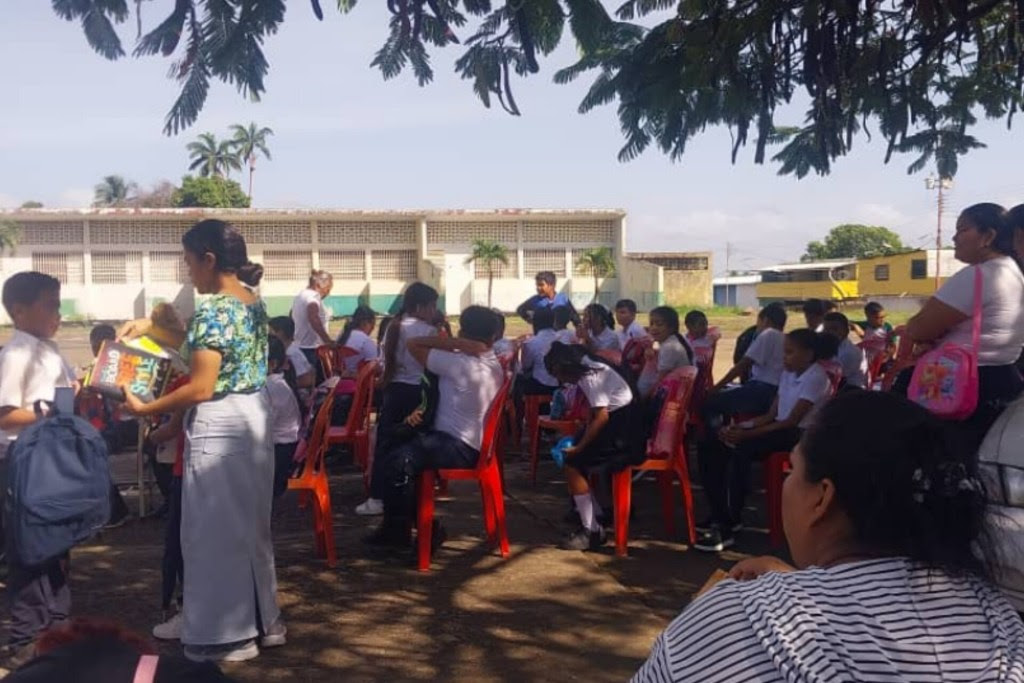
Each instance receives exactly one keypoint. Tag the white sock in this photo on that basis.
(585, 506)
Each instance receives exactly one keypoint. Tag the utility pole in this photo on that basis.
(940, 185)
(728, 272)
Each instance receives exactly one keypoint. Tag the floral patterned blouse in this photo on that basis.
(237, 331)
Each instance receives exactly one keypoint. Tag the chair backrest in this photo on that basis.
(834, 370)
(876, 359)
(492, 422)
(359, 414)
(610, 355)
(326, 356)
(670, 429)
(312, 450)
(905, 345)
(634, 354)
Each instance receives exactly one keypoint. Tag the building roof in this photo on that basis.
(737, 280)
(810, 265)
(345, 213)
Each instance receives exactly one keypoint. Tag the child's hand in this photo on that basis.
(133, 405)
(415, 418)
(570, 451)
(135, 328)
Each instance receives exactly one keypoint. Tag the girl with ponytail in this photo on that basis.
(401, 380)
(356, 336)
(674, 351)
(803, 389)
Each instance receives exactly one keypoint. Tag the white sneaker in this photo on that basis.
(232, 652)
(170, 629)
(275, 635)
(371, 508)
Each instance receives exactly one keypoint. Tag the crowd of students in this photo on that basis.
(870, 508)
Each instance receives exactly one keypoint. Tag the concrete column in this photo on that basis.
(314, 237)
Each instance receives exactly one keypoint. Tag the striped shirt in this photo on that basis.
(879, 620)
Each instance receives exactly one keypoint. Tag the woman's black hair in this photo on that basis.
(277, 356)
(670, 317)
(824, 346)
(602, 313)
(227, 246)
(359, 317)
(566, 360)
(382, 328)
(899, 481)
(695, 317)
(416, 295)
(991, 217)
(500, 332)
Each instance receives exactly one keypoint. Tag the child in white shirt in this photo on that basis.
(852, 358)
(285, 417)
(629, 328)
(356, 336)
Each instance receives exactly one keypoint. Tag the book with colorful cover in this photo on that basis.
(140, 371)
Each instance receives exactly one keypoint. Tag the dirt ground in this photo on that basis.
(541, 614)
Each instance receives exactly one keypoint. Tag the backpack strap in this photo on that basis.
(145, 672)
(976, 322)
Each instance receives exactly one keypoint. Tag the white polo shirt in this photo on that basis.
(305, 336)
(407, 369)
(634, 331)
(534, 351)
(766, 352)
(854, 362)
(30, 370)
(604, 388)
(466, 387)
(364, 346)
(813, 385)
(606, 341)
(285, 418)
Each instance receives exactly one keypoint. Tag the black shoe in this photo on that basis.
(572, 517)
(709, 523)
(581, 539)
(437, 536)
(390, 534)
(714, 540)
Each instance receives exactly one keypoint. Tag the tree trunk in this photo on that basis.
(597, 288)
(490, 286)
(252, 169)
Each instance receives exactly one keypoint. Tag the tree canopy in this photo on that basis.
(212, 192)
(855, 241)
(114, 191)
(915, 73)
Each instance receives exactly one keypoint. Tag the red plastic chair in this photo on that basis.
(486, 474)
(704, 359)
(877, 360)
(612, 356)
(666, 465)
(356, 430)
(312, 482)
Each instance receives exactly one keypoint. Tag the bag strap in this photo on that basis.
(145, 672)
(976, 322)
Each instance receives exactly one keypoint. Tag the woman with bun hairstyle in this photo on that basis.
(227, 483)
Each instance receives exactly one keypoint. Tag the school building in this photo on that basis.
(116, 264)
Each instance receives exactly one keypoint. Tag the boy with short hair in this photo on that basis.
(547, 296)
(283, 327)
(698, 333)
(850, 356)
(629, 328)
(31, 369)
(814, 314)
(763, 360)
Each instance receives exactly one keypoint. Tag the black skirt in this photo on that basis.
(620, 444)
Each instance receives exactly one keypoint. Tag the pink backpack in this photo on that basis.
(945, 380)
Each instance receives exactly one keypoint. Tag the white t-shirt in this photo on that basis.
(766, 352)
(408, 370)
(466, 387)
(854, 363)
(305, 336)
(671, 355)
(363, 345)
(604, 388)
(285, 418)
(1002, 309)
(634, 331)
(813, 385)
(30, 370)
(607, 340)
(298, 360)
(534, 351)
(566, 336)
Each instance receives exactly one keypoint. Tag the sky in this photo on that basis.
(345, 138)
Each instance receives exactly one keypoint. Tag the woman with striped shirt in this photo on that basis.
(886, 525)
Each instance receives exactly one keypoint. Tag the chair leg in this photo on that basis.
(622, 490)
(682, 471)
(327, 527)
(424, 519)
(533, 430)
(318, 525)
(665, 487)
(497, 497)
(487, 499)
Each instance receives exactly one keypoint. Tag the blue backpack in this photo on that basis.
(58, 488)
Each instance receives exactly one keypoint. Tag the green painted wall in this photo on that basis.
(68, 308)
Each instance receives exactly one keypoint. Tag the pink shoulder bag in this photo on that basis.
(945, 380)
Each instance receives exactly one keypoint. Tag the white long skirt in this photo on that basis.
(227, 492)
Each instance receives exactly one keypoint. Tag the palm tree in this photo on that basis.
(600, 263)
(212, 157)
(249, 143)
(488, 253)
(114, 190)
(10, 235)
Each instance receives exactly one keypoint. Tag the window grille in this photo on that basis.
(500, 269)
(569, 232)
(137, 232)
(366, 233)
(393, 264)
(67, 267)
(167, 266)
(52, 232)
(116, 267)
(919, 269)
(882, 272)
(454, 232)
(344, 265)
(276, 232)
(680, 262)
(536, 260)
(287, 265)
